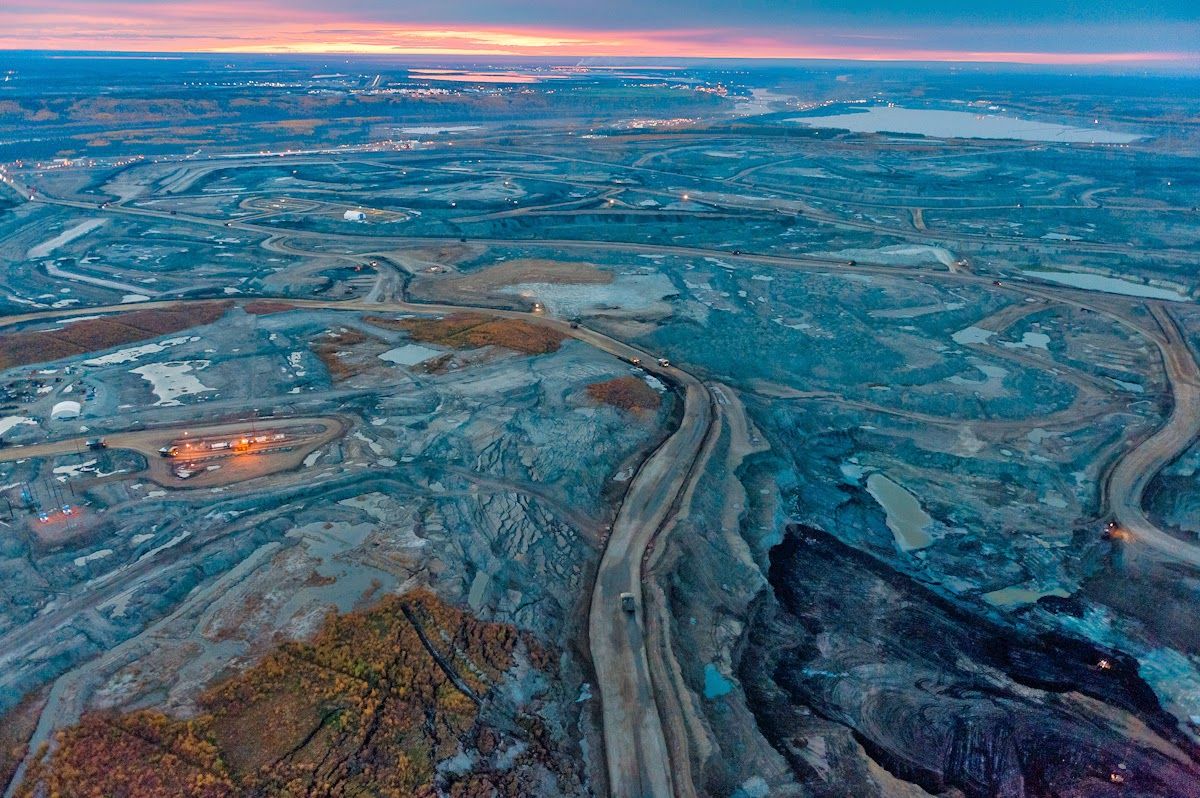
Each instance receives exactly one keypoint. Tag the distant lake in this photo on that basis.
(467, 76)
(960, 124)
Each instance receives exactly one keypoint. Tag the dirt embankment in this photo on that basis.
(93, 335)
(265, 307)
(533, 270)
(474, 330)
(490, 283)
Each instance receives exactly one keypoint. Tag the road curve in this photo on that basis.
(1127, 481)
(636, 752)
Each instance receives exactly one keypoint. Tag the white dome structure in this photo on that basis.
(66, 410)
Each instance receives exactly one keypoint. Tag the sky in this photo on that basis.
(1018, 31)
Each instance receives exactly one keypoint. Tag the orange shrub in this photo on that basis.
(474, 330)
(627, 393)
(93, 335)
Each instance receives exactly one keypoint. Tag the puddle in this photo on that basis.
(992, 384)
(1109, 285)
(972, 335)
(899, 255)
(1029, 340)
(169, 381)
(95, 555)
(715, 684)
(626, 292)
(409, 355)
(134, 352)
(1012, 596)
(905, 516)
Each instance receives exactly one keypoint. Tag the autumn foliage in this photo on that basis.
(627, 393)
(473, 330)
(140, 754)
(369, 707)
(265, 307)
(94, 335)
(16, 727)
(334, 350)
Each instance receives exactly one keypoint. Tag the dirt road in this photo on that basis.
(1127, 481)
(306, 435)
(639, 763)
(635, 749)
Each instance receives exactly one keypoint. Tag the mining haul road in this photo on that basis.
(1128, 479)
(636, 752)
(634, 744)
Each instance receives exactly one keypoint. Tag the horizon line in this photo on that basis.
(949, 57)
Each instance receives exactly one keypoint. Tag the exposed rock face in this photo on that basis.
(941, 698)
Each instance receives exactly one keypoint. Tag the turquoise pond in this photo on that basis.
(715, 685)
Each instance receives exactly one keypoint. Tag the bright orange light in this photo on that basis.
(1118, 533)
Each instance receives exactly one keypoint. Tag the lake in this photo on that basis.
(960, 124)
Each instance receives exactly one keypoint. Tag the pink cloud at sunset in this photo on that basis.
(264, 26)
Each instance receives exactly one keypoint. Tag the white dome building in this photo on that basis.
(66, 410)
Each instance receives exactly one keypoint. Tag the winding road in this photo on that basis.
(1125, 487)
(638, 759)
(635, 747)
